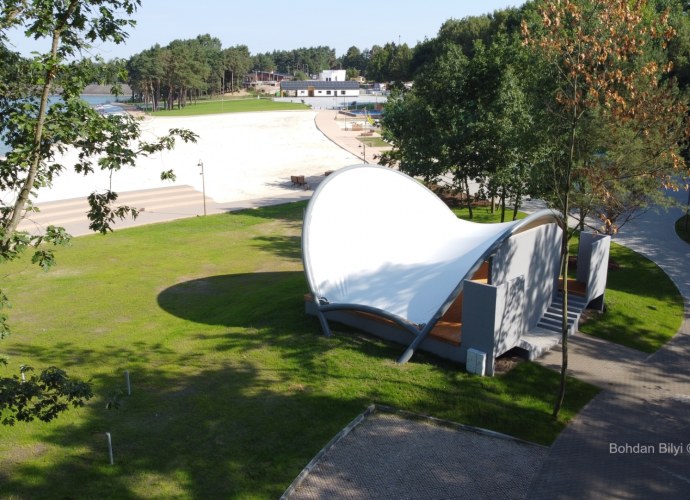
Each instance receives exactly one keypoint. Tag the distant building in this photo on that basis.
(333, 75)
(264, 77)
(318, 88)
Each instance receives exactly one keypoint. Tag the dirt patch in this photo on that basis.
(507, 362)
(587, 315)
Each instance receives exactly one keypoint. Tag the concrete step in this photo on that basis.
(547, 333)
(554, 313)
(539, 341)
(556, 322)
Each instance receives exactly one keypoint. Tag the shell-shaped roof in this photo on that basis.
(375, 239)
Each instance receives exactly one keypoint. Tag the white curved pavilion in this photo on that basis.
(384, 253)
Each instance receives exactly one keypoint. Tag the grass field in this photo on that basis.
(373, 142)
(234, 387)
(644, 309)
(232, 106)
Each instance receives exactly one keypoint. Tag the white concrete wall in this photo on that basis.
(534, 254)
(333, 75)
(592, 263)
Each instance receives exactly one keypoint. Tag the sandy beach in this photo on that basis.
(245, 156)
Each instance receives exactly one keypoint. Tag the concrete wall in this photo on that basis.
(333, 75)
(534, 254)
(497, 317)
(592, 264)
(478, 327)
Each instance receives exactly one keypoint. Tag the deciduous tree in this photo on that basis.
(42, 115)
(614, 121)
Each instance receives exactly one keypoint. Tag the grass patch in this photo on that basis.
(373, 142)
(232, 106)
(484, 214)
(234, 387)
(643, 308)
(683, 228)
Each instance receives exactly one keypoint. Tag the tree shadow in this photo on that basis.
(250, 439)
(289, 212)
(287, 247)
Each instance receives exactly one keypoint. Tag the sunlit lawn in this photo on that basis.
(232, 106)
(643, 308)
(234, 387)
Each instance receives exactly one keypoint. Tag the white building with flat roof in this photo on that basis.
(333, 75)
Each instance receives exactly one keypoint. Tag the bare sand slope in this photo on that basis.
(245, 156)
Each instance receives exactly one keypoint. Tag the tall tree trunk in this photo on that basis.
(518, 201)
(28, 185)
(503, 204)
(564, 273)
(468, 197)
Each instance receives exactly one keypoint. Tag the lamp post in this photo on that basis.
(203, 183)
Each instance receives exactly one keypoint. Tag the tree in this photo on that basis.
(37, 126)
(354, 60)
(467, 116)
(614, 121)
(390, 63)
(238, 62)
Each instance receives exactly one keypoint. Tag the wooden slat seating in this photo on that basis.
(575, 287)
(449, 328)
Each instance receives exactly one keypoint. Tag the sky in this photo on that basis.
(269, 25)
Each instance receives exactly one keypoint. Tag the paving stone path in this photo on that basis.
(633, 439)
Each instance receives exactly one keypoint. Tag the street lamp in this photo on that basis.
(203, 183)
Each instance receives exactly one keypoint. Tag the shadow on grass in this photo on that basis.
(222, 433)
(291, 212)
(253, 398)
(259, 309)
(282, 246)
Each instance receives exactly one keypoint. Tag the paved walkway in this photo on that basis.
(633, 439)
(393, 455)
(338, 128)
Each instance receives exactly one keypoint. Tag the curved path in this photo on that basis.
(633, 439)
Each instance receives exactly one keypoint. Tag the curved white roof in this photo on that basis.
(374, 238)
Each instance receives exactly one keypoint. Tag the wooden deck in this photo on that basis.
(575, 287)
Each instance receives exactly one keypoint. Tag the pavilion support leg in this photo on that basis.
(413, 346)
(324, 322)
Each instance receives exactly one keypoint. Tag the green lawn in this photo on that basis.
(485, 215)
(232, 106)
(373, 142)
(643, 308)
(234, 387)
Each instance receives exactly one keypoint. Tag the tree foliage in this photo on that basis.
(42, 116)
(615, 122)
(574, 101)
(467, 115)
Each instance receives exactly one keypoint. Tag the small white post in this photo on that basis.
(129, 386)
(110, 448)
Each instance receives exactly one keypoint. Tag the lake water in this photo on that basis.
(94, 100)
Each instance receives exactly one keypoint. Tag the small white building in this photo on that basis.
(333, 75)
(318, 88)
